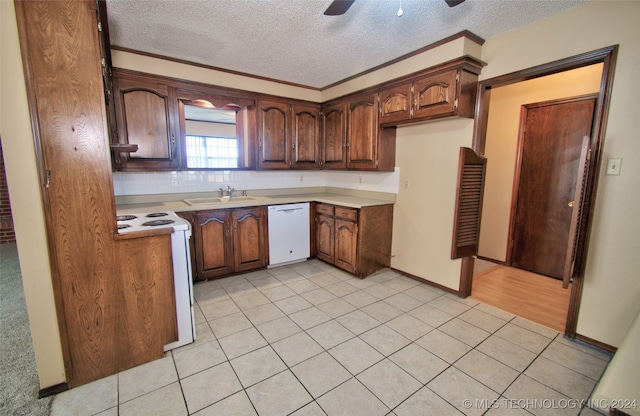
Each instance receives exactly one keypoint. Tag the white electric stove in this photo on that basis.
(128, 223)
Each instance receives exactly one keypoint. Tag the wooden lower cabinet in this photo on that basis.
(325, 237)
(250, 243)
(227, 241)
(355, 240)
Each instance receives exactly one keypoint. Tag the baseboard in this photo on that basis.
(51, 390)
(502, 263)
(425, 281)
(597, 344)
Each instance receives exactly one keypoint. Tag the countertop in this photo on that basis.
(176, 203)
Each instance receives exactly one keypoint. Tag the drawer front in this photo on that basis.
(347, 213)
(324, 209)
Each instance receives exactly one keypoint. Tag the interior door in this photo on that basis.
(549, 147)
(577, 209)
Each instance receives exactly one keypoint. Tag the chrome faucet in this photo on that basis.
(230, 190)
(221, 192)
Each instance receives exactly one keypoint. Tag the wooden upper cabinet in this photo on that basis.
(395, 103)
(145, 116)
(274, 135)
(362, 147)
(369, 146)
(448, 90)
(288, 135)
(334, 136)
(306, 136)
(352, 138)
(435, 95)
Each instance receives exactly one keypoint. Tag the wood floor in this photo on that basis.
(531, 296)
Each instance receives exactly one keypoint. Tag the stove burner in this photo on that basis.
(155, 223)
(123, 226)
(157, 214)
(125, 217)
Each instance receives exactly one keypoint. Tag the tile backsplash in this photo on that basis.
(144, 183)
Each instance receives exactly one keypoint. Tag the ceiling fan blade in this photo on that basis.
(338, 7)
(452, 3)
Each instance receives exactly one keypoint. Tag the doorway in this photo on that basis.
(488, 90)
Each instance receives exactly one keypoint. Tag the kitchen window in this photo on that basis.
(212, 152)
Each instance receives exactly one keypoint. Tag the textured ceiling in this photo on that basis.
(291, 40)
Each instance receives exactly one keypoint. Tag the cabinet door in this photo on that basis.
(395, 104)
(346, 242)
(213, 243)
(273, 135)
(306, 137)
(435, 96)
(145, 115)
(362, 150)
(249, 238)
(325, 238)
(334, 136)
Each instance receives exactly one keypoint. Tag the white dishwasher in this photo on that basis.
(289, 234)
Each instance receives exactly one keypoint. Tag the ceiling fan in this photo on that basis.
(338, 7)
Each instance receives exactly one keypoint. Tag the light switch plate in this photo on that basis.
(613, 166)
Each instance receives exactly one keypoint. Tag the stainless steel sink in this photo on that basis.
(219, 200)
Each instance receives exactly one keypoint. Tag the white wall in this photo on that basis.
(157, 66)
(204, 128)
(451, 50)
(427, 155)
(502, 142)
(611, 296)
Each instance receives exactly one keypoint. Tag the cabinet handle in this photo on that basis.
(47, 182)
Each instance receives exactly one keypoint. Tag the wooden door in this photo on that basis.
(334, 136)
(346, 243)
(145, 112)
(213, 243)
(577, 209)
(468, 209)
(362, 149)
(249, 238)
(325, 226)
(306, 137)
(273, 135)
(549, 148)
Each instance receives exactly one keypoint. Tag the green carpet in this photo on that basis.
(19, 385)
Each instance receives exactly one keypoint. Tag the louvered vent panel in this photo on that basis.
(466, 233)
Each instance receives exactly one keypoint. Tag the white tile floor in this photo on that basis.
(309, 339)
